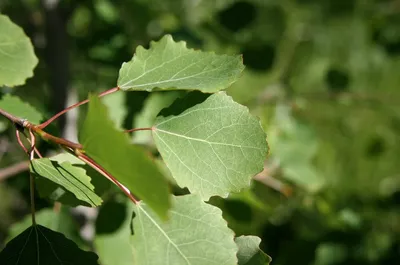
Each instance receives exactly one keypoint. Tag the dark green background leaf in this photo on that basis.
(39, 245)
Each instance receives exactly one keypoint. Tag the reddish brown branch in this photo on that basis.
(138, 129)
(13, 170)
(46, 123)
(104, 172)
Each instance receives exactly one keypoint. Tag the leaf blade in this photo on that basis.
(170, 65)
(213, 148)
(69, 177)
(249, 251)
(17, 58)
(18, 108)
(38, 245)
(128, 163)
(176, 242)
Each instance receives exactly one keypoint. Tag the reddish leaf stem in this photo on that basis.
(46, 123)
(138, 129)
(104, 172)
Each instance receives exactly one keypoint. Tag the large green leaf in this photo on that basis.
(17, 58)
(113, 232)
(18, 108)
(213, 148)
(249, 251)
(195, 234)
(39, 245)
(170, 65)
(65, 177)
(126, 162)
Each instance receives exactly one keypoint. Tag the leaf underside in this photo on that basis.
(170, 65)
(17, 58)
(212, 148)
(249, 251)
(195, 234)
(39, 245)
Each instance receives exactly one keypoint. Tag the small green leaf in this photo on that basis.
(64, 177)
(39, 245)
(170, 65)
(15, 106)
(127, 163)
(17, 58)
(213, 148)
(249, 251)
(195, 234)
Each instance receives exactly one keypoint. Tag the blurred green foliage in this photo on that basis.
(321, 74)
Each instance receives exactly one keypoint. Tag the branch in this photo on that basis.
(12, 170)
(46, 123)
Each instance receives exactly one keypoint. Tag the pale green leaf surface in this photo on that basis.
(38, 245)
(15, 106)
(71, 178)
(170, 65)
(127, 163)
(115, 103)
(113, 232)
(249, 251)
(195, 234)
(213, 148)
(17, 58)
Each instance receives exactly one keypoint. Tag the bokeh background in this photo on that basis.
(322, 75)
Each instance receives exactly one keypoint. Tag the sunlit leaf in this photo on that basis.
(65, 177)
(212, 148)
(17, 58)
(249, 251)
(39, 245)
(195, 234)
(127, 163)
(170, 65)
(15, 106)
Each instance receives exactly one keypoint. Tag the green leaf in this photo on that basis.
(64, 177)
(113, 232)
(127, 163)
(17, 58)
(213, 148)
(18, 108)
(61, 222)
(115, 102)
(195, 234)
(39, 245)
(152, 106)
(170, 65)
(249, 251)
